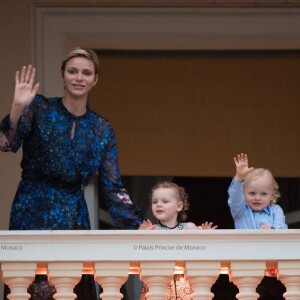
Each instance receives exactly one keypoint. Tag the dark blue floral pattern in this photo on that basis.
(56, 165)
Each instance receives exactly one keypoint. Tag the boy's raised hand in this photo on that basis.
(242, 168)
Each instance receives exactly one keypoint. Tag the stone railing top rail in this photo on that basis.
(137, 245)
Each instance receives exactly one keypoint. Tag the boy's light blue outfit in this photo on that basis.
(246, 218)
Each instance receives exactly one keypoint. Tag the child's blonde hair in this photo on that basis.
(259, 173)
(181, 196)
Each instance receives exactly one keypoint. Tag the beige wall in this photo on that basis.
(15, 51)
(189, 114)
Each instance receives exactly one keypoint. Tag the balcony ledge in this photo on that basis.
(137, 245)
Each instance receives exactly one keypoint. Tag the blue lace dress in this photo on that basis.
(55, 167)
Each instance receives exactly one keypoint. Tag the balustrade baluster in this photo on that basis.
(111, 276)
(156, 275)
(64, 276)
(289, 275)
(18, 276)
(202, 275)
(246, 275)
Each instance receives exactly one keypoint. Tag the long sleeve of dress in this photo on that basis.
(124, 214)
(6, 133)
(11, 138)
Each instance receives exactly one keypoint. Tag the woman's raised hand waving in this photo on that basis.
(25, 91)
(24, 88)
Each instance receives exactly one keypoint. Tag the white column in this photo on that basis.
(111, 276)
(289, 275)
(202, 275)
(246, 275)
(156, 275)
(18, 276)
(64, 276)
(91, 198)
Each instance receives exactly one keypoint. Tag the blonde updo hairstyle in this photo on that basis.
(82, 52)
(181, 195)
(258, 173)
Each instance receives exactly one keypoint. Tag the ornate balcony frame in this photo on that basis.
(55, 29)
(112, 255)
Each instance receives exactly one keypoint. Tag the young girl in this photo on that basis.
(169, 206)
(253, 194)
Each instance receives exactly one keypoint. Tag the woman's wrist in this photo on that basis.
(15, 113)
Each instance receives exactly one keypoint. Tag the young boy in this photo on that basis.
(253, 194)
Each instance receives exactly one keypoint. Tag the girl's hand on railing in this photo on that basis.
(147, 225)
(207, 225)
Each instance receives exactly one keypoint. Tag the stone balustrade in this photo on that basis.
(111, 255)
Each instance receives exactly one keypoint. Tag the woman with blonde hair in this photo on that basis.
(64, 145)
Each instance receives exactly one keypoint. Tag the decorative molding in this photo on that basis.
(55, 29)
(180, 3)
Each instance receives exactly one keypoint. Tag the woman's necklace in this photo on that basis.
(165, 226)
